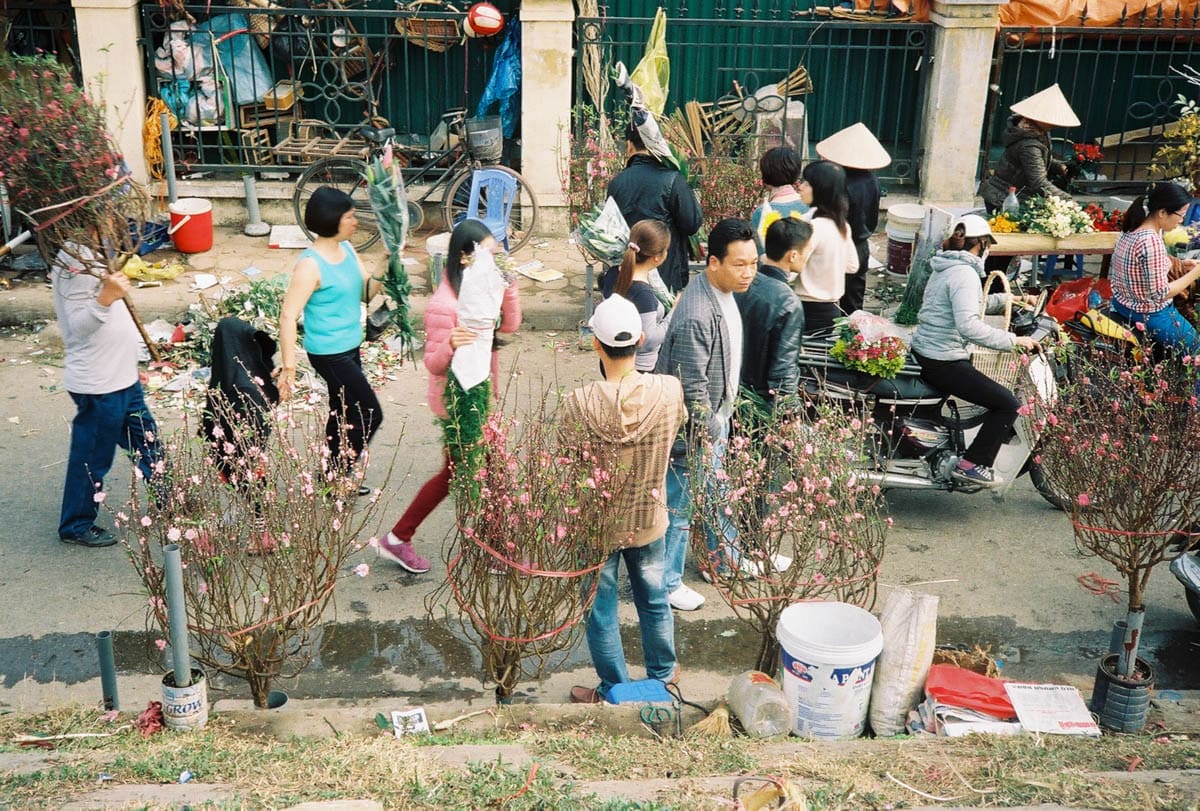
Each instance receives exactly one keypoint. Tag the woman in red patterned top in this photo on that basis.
(1142, 292)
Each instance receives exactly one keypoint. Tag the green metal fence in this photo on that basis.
(872, 72)
(1121, 82)
(349, 66)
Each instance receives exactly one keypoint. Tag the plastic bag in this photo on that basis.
(642, 118)
(959, 687)
(909, 623)
(604, 233)
(504, 85)
(139, 269)
(873, 327)
(653, 73)
(245, 66)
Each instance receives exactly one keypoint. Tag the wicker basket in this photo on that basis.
(1000, 365)
(436, 34)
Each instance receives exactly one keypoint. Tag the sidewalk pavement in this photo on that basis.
(556, 305)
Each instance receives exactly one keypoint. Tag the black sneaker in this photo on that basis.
(96, 537)
(979, 475)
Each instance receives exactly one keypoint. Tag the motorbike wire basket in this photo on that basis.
(439, 34)
(1000, 365)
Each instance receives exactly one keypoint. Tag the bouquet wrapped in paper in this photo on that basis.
(603, 232)
(870, 343)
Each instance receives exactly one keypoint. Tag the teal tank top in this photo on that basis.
(332, 319)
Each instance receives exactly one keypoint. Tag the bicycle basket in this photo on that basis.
(1001, 366)
(434, 33)
(485, 139)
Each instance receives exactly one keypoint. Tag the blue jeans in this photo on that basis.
(679, 511)
(1166, 327)
(102, 422)
(646, 576)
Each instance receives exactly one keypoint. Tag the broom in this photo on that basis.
(714, 725)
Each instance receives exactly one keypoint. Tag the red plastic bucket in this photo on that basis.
(191, 225)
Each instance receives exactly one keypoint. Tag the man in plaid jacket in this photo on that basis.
(703, 348)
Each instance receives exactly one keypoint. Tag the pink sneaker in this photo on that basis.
(402, 553)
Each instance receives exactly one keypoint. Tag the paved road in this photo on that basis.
(1005, 572)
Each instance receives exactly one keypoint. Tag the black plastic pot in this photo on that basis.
(1121, 704)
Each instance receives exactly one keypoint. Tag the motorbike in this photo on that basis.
(919, 433)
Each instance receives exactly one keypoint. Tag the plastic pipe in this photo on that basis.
(255, 227)
(177, 615)
(1127, 662)
(108, 670)
(168, 156)
(589, 283)
(1117, 641)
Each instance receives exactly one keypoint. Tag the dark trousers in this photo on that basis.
(102, 422)
(819, 315)
(960, 378)
(354, 410)
(856, 285)
(431, 494)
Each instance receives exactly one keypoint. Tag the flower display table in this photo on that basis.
(1097, 243)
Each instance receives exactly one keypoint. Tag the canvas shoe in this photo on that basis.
(402, 554)
(685, 598)
(979, 475)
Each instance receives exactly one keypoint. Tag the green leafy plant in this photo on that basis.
(1179, 158)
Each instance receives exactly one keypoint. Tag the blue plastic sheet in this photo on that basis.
(249, 74)
(504, 85)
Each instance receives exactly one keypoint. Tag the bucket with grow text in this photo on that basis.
(191, 225)
(828, 650)
(903, 222)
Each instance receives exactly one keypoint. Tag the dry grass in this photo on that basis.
(266, 772)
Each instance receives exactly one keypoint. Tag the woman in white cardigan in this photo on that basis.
(823, 281)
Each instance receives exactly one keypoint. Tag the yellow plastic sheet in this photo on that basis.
(140, 270)
(653, 73)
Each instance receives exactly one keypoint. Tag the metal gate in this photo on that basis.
(1122, 82)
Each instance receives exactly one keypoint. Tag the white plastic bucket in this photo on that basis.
(185, 708)
(905, 218)
(828, 652)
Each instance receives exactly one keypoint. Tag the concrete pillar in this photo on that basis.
(956, 99)
(546, 103)
(113, 71)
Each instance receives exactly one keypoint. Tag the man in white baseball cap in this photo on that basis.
(639, 415)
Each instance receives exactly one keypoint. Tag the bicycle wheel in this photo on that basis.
(345, 174)
(521, 223)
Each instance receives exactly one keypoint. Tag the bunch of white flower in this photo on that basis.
(1057, 217)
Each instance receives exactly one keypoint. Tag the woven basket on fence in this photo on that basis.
(436, 34)
(1000, 365)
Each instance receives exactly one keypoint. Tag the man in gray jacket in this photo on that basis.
(703, 348)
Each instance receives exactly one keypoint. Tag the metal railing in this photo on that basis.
(305, 73)
(872, 72)
(1121, 83)
(41, 28)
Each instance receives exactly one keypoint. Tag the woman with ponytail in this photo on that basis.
(1141, 268)
(649, 243)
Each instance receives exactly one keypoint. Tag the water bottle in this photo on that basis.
(757, 701)
(1012, 206)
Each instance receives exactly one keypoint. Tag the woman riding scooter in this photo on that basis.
(947, 323)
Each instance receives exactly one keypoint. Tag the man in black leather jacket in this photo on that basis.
(647, 190)
(772, 318)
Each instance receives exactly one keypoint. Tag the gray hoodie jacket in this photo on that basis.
(949, 319)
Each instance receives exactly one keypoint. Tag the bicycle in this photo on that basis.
(452, 167)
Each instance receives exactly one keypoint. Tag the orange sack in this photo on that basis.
(1100, 13)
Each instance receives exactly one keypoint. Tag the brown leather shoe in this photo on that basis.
(585, 695)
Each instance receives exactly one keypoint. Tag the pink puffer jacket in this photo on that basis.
(441, 316)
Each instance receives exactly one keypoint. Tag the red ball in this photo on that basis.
(483, 20)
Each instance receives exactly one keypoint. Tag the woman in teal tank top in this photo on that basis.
(328, 284)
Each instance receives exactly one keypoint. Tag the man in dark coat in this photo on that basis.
(772, 318)
(647, 190)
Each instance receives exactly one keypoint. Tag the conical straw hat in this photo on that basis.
(1048, 107)
(855, 148)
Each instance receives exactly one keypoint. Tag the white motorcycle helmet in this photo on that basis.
(975, 226)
